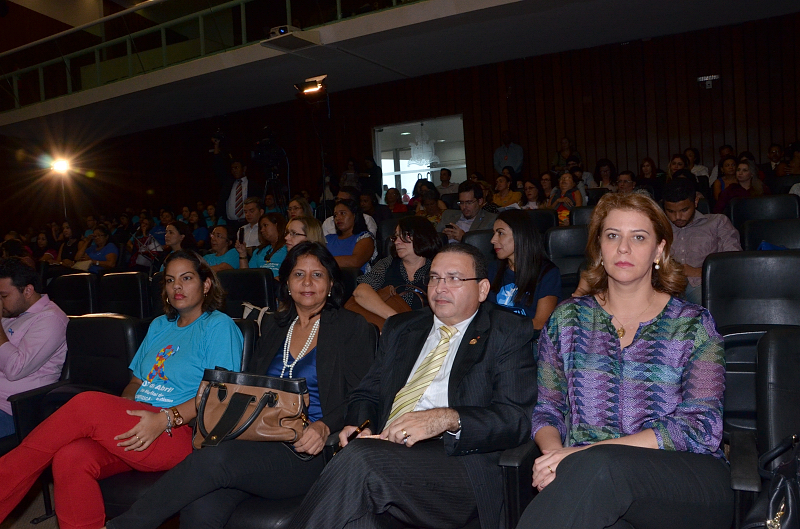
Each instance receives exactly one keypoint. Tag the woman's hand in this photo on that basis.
(150, 426)
(544, 468)
(313, 440)
(241, 248)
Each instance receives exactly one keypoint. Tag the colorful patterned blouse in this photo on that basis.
(671, 378)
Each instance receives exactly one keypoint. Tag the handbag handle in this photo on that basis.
(786, 444)
(227, 423)
(421, 295)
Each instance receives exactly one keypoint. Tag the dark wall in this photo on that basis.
(622, 101)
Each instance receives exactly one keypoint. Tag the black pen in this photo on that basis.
(358, 431)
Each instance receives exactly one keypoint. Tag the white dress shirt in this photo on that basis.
(250, 235)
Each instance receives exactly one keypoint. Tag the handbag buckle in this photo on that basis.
(222, 391)
(775, 523)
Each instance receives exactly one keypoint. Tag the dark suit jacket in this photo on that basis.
(226, 180)
(492, 386)
(345, 351)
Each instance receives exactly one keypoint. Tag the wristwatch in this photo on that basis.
(178, 419)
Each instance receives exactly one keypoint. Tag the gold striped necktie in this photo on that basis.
(408, 396)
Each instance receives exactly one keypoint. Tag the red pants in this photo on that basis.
(79, 442)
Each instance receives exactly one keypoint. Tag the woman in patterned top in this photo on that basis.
(414, 244)
(629, 413)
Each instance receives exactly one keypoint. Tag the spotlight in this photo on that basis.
(60, 166)
(312, 85)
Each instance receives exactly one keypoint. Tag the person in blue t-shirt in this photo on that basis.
(523, 279)
(271, 251)
(223, 257)
(102, 254)
(97, 434)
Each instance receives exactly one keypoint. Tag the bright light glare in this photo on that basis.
(60, 166)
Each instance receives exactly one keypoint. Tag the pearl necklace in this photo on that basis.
(303, 351)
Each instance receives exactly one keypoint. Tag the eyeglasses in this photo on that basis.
(404, 238)
(294, 208)
(467, 202)
(291, 233)
(450, 282)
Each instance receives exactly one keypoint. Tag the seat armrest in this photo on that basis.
(331, 445)
(517, 465)
(26, 407)
(744, 462)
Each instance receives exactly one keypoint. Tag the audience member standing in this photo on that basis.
(508, 154)
(234, 186)
(446, 187)
(565, 151)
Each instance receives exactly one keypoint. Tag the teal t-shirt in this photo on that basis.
(258, 258)
(231, 257)
(171, 360)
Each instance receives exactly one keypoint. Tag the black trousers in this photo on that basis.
(374, 484)
(207, 486)
(628, 487)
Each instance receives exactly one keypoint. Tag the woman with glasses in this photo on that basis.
(223, 257)
(523, 278)
(414, 244)
(303, 229)
(546, 181)
(299, 207)
(102, 254)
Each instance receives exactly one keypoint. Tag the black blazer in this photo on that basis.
(492, 387)
(345, 351)
(255, 188)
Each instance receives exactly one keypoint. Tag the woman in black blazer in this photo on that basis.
(310, 336)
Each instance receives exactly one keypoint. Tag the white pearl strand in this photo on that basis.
(303, 351)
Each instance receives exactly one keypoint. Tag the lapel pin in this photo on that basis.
(474, 340)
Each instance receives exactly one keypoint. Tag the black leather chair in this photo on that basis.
(385, 230)
(543, 219)
(349, 276)
(703, 206)
(75, 294)
(784, 183)
(451, 199)
(778, 398)
(566, 247)
(784, 232)
(482, 240)
(761, 208)
(581, 215)
(749, 293)
(125, 293)
(254, 285)
(593, 194)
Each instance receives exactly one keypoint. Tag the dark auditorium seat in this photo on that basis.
(482, 240)
(254, 285)
(703, 206)
(772, 207)
(581, 215)
(125, 293)
(566, 247)
(154, 289)
(451, 199)
(749, 293)
(543, 219)
(75, 294)
(783, 232)
(593, 194)
(385, 230)
(784, 183)
(349, 275)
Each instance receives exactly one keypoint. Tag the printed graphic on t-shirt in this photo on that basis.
(158, 368)
(505, 298)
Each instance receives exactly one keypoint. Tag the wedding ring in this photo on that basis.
(405, 434)
(137, 438)
(550, 469)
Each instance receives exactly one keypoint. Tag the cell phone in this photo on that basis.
(451, 226)
(241, 235)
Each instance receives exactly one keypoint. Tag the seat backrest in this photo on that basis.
(784, 183)
(100, 347)
(75, 294)
(581, 215)
(482, 240)
(125, 293)
(566, 246)
(154, 289)
(324, 211)
(766, 207)
(752, 287)
(451, 199)
(249, 330)
(703, 206)
(543, 219)
(783, 232)
(778, 393)
(254, 285)
(386, 229)
(349, 275)
(593, 194)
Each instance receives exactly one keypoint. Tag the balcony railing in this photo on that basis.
(154, 35)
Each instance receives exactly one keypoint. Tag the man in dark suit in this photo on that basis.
(452, 387)
(234, 188)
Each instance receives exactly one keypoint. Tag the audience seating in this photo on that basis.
(778, 404)
(323, 213)
(581, 215)
(543, 219)
(760, 208)
(593, 194)
(254, 285)
(749, 293)
(451, 199)
(385, 230)
(783, 232)
(154, 289)
(703, 206)
(566, 247)
(349, 276)
(784, 183)
(482, 240)
(75, 294)
(125, 293)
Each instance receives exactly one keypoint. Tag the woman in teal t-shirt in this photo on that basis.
(145, 429)
(272, 250)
